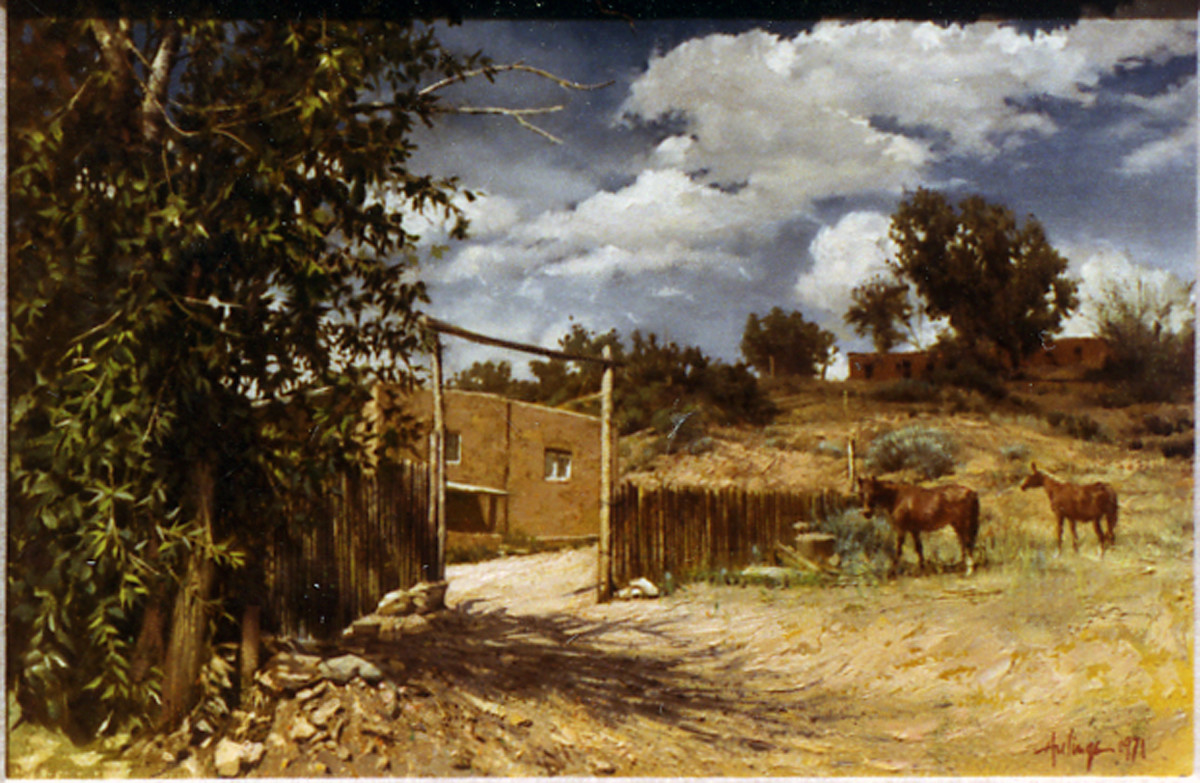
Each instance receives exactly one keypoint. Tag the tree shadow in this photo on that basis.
(492, 654)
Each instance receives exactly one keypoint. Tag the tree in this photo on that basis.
(208, 263)
(1151, 332)
(494, 377)
(786, 344)
(881, 308)
(1001, 285)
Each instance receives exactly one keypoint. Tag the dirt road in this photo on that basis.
(1034, 670)
(1075, 666)
(1004, 672)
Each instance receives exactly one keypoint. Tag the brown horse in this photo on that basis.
(915, 510)
(1078, 502)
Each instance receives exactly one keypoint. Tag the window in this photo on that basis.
(453, 448)
(558, 465)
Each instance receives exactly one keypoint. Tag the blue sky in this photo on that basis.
(736, 166)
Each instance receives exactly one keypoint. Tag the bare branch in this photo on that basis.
(516, 114)
(491, 70)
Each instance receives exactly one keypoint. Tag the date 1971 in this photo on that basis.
(1131, 747)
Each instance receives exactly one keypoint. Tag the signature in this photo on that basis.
(1131, 748)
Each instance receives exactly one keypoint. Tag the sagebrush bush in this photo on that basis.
(863, 546)
(1016, 452)
(926, 450)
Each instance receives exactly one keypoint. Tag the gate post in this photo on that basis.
(437, 489)
(604, 580)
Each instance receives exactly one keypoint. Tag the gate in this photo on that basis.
(367, 535)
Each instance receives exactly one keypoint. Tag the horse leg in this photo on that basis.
(1099, 534)
(920, 550)
(1058, 526)
(968, 559)
(1074, 534)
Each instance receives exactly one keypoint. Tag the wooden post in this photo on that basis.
(437, 461)
(604, 580)
(850, 461)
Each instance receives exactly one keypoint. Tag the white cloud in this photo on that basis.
(844, 255)
(1174, 108)
(836, 110)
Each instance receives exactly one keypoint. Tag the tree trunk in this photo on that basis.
(251, 639)
(188, 644)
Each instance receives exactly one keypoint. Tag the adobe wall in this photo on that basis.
(547, 507)
(503, 444)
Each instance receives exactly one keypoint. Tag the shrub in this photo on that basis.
(928, 451)
(905, 390)
(863, 546)
(1016, 452)
(1080, 426)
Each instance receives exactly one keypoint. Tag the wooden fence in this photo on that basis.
(333, 560)
(690, 530)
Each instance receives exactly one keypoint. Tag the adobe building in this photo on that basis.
(1065, 358)
(511, 466)
(890, 366)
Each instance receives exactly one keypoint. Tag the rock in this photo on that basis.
(603, 768)
(345, 668)
(308, 693)
(302, 730)
(289, 672)
(428, 597)
(253, 753)
(322, 714)
(365, 627)
(818, 547)
(228, 758)
(395, 603)
(638, 588)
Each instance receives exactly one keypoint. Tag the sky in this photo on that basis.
(733, 166)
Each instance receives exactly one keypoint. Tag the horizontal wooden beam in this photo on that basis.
(441, 327)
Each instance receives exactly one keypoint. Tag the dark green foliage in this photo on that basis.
(881, 309)
(1001, 285)
(928, 451)
(207, 264)
(904, 390)
(783, 344)
(670, 388)
(959, 366)
(1078, 425)
(1151, 362)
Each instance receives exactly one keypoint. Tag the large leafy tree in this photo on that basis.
(1000, 284)
(882, 309)
(208, 260)
(787, 344)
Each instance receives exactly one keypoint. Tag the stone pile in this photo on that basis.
(400, 613)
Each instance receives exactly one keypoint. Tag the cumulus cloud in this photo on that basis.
(844, 255)
(846, 108)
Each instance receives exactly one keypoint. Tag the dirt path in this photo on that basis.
(1031, 670)
(1035, 671)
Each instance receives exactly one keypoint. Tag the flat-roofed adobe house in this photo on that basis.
(1064, 358)
(511, 466)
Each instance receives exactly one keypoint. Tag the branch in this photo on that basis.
(491, 70)
(514, 113)
(154, 110)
